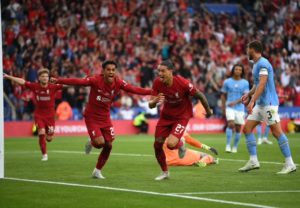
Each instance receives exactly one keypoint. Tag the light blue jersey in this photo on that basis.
(235, 89)
(269, 95)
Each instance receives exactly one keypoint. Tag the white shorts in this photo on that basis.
(237, 116)
(265, 113)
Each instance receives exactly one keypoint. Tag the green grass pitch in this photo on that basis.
(65, 180)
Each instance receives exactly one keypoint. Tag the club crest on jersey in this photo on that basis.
(177, 95)
(47, 91)
(112, 92)
(236, 85)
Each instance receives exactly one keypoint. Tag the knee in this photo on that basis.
(49, 138)
(172, 144)
(246, 130)
(231, 125)
(98, 142)
(41, 131)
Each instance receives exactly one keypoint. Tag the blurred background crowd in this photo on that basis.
(73, 38)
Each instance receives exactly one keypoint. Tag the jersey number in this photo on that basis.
(179, 129)
(270, 115)
(112, 132)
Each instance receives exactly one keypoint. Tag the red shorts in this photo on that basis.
(47, 123)
(165, 127)
(96, 129)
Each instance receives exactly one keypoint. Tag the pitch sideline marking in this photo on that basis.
(240, 192)
(140, 192)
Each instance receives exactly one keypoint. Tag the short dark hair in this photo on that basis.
(256, 45)
(240, 65)
(108, 62)
(168, 63)
(43, 71)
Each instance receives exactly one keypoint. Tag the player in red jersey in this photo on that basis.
(175, 92)
(104, 88)
(44, 113)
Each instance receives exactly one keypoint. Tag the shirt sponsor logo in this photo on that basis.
(44, 98)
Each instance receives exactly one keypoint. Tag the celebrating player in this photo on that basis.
(233, 89)
(174, 91)
(44, 113)
(263, 106)
(104, 88)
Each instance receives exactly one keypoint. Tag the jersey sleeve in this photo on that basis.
(189, 87)
(76, 81)
(263, 69)
(30, 85)
(133, 89)
(57, 87)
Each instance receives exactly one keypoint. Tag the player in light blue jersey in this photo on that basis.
(232, 91)
(263, 106)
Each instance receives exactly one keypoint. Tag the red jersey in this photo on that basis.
(178, 104)
(102, 95)
(44, 98)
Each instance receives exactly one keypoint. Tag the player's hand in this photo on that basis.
(53, 80)
(231, 104)
(160, 98)
(213, 150)
(5, 76)
(208, 113)
(250, 106)
(245, 98)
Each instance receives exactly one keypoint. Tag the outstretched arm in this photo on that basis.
(71, 81)
(199, 95)
(17, 80)
(136, 90)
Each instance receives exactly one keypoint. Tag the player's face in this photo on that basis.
(109, 73)
(164, 73)
(238, 71)
(250, 52)
(44, 78)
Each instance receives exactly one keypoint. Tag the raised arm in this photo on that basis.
(199, 95)
(17, 80)
(72, 81)
(136, 90)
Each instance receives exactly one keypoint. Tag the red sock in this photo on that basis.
(103, 157)
(42, 142)
(160, 156)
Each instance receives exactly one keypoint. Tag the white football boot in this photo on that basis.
(163, 175)
(250, 165)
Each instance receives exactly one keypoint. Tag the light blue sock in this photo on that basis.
(258, 129)
(237, 138)
(267, 131)
(228, 136)
(251, 144)
(284, 145)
